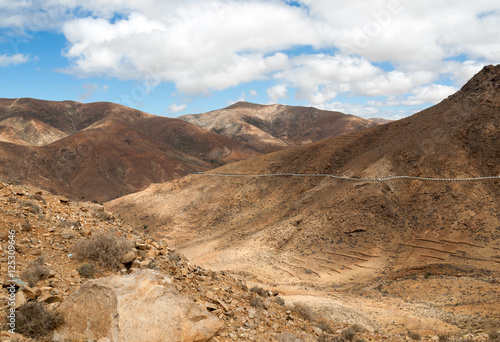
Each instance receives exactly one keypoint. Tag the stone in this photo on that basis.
(29, 292)
(20, 299)
(251, 312)
(317, 331)
(142, 306)
(129, 256)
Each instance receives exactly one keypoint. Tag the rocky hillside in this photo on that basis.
(274, 127)
(325, 231)
(100, 151)
(130, 286)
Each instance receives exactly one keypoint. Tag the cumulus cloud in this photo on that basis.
(203, 46)
(277, 92)
(176, 108)
(8, 60)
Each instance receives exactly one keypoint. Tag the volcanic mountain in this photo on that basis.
(322, 231)
(100, 151)
(274, 127)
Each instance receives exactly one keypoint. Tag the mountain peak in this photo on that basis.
(483, 88)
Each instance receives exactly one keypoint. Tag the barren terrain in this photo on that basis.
(411, 254)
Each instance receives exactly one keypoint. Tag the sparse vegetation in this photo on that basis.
(26, 226)
(350, 332)
(444, 338)
(414, 336)
(305, 311)
(32, 207)
(33, 320)
(105, 249)
(87, 270)
(260, 291)
(257, 302)
(36, 271)
(103, 215)
(494, 336)
(325, 327)
(279, 300)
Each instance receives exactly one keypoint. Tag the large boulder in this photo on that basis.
(142, 306)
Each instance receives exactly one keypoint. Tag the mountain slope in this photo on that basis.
(100, 151)
(275, 127)
(323, 231)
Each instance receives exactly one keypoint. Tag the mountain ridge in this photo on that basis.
(274, 127)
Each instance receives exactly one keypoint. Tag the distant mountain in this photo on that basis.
(274, 127)
(328, 231)
(100, 151)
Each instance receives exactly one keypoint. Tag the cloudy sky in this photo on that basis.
(377, 58)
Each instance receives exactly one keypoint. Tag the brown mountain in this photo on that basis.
(274, 127)
(322, 231)
(100, 151)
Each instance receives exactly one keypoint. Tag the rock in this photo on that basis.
(129, 256)
(20, 299)
(317, 331)
(138, 307)
(29, 292)
(251, 312)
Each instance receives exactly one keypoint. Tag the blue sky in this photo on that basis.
(369, 58)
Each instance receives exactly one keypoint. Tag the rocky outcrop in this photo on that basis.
(143, 306)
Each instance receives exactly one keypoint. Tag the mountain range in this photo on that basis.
(100, 151)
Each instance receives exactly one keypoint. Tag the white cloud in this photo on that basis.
(175, 108)
(277, 92)
(253, 92)
(350, 108)
(8, 60)
(210, 45)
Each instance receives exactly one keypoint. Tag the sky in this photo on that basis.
(377, 58)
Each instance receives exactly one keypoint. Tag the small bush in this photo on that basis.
(305, 311)
(105, 249)
(36, 271)
(260, 291)
(444, 338)
(494, 336)
(32, 207)
(325, 327)
(103, 215)
(86, 271)
(348, 334)
(38, 197)
(279, 300)
(414, 336)
(33, 320)
(174, 257)
(257, 302)
(26, 226)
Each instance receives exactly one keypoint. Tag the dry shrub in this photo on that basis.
(257, 302)
(105, 249)
(36, 271)
(279, 300)
(414, 336)
(33, 320)
(260, 291)
(86, 270)
(305, 311)
(32, 207)
(103, 215)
